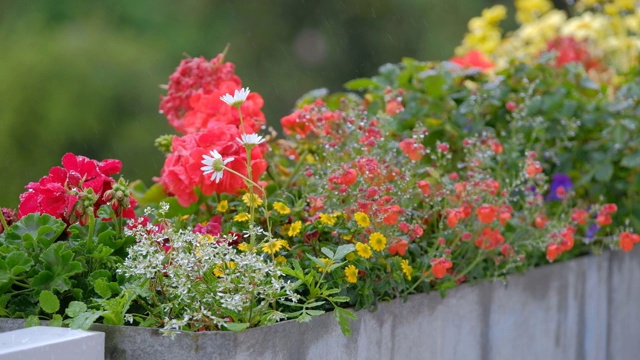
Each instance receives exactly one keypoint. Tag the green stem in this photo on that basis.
(3, 221)
(475, 262)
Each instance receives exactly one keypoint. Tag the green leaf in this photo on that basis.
(75, 308)
(235, 327)
(43, 280)
(4, 300)
(100, 274)
(32, 320)
(434, 85)
(147, 196)
(631, 160)
(327, 252)
(6, 279)
(102, 288)
(360, 84)
(49, 302)
(343, 250)
(56, 320)
(58, 260)
(339, 299)
(85, 320)
(18, 262)
(604, 171)
(41, 228)
(343, 316)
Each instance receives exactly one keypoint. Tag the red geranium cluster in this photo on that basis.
(58, 193)
(193, 97)
(182, 172)
(193, 106)
(312, 118)
(570, 50)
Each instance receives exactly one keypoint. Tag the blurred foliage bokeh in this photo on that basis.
(83, 76)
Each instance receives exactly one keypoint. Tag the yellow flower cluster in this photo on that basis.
(611, 29)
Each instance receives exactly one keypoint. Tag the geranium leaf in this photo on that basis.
(49, 302)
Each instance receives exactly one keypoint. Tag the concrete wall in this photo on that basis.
(588, 308)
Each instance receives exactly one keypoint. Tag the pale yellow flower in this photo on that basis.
(362, 219)
(294, 229)
(351, 274)
(223, 206)
(406, 268)
(363, 250)
(378, 241)
(281, 208)
(243, 216)
(251, 199)
(274, 246)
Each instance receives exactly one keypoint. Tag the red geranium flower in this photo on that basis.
(182, 173)
(474, 59)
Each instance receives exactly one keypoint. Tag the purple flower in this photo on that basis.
(591, 231)
(560, 185)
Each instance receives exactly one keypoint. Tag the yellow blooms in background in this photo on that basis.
(362, 219)
(223, 206)
(326, 264)
(281, 208)
(351, 274)
(363, 250)
(530, 10)
(378, 241)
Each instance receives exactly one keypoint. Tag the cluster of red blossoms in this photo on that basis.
(193, 106)
(70, 192)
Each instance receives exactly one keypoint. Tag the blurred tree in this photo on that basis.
(84, 77)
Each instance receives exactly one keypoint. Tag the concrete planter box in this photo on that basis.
(587, 308)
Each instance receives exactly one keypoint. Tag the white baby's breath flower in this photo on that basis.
(214, 164)
(239, 96)
(250, 139)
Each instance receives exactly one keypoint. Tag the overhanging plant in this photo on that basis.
(434, 175)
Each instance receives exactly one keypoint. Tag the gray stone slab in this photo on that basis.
(587, 308)
(53, 343)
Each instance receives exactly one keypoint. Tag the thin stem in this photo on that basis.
(3, 221)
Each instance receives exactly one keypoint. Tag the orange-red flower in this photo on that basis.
(399, 247)
(489, 239)
(627, 240)
(486, 213)
(474, 59)
(413, 149)
(439, 267)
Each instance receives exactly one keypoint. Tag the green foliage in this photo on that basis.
(46, 274)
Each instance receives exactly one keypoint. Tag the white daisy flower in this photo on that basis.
(214, 164)
(250, 139)
(238, 97)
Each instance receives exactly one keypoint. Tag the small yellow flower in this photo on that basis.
(351, 273)
(327, 219)
(362, 219)
(223, 206)
(378, 241)
(245, 247)
(218, 270)
(243, 216)
(294, 229)
(406, 268)
(231, 265)
(273, 247)
(310, 159)
(350, 256)
(281, 208)
(280, 260)
(363, 250)
(207, 237)
(251, 199)
(327, 263)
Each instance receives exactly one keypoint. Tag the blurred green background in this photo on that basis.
(83, 76)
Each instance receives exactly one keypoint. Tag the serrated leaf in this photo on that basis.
(43, 280)
(18, 262)
(41, 228)
(75, 308)
(343, 316)
(59, 261)
(235, 327)
(318, 262)
(102, 288)
(48, 302)
(105, 274)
